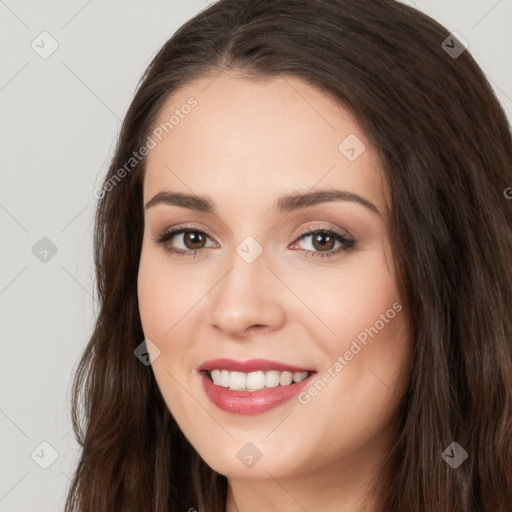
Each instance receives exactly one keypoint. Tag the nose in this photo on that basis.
(247, 299)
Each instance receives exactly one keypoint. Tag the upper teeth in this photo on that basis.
(253, 381)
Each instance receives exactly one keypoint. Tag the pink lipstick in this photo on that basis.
(253, 386)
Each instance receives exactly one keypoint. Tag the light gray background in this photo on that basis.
(60, 118)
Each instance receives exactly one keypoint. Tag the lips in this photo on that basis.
(250, 402)
(251, 365)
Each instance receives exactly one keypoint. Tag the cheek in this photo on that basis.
(351, 300)
(158, 303)
(161, 305)
(153, 301)
(367, 348)
(165, 294)
(170, 299)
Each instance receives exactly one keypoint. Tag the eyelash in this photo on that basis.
(347, 243)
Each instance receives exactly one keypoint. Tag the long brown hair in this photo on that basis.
(445, 148)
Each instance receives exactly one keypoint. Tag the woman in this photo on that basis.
(303, 260)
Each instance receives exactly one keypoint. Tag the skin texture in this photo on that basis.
(246, 143)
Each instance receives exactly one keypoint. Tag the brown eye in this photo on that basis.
(184, 242)
(322, 241)
(194, 239)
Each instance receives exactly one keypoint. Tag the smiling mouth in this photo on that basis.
(255, 380)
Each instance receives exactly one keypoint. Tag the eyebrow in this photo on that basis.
(283, 204)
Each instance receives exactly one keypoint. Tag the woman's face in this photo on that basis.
(322, 309)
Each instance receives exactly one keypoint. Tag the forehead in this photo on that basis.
(227, 134)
